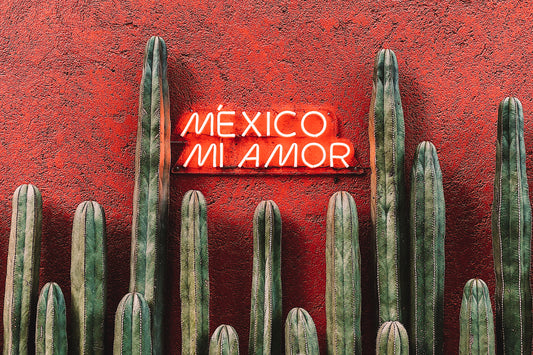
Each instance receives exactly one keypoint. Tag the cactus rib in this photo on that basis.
(265, 315)
(224, 341)
(511, 233)
(88, 278)
(132, 326)
(300, 333)
(476, 321)
(22, 276)
(151, 192)
(51, 322)
(388, 209)
(392, 339)
(343, 276)
(194, 275)
(427, 258)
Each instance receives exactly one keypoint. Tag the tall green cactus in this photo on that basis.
(265, 316)
(194, 275)
(132, 326)
(476, 323)
(392, 339)
(427, 252)
(300, 333)
(511, 233)
(343, 276)
(151, 193)
(88, 278)
(224, 341)
(51, 324)
(22, 276)
(388, 205)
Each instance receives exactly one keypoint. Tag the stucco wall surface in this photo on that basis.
(69, 76)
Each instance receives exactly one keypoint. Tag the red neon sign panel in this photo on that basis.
(285, 141)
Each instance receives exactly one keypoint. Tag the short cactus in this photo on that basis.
(22, 276)
(88, 279)
(194, 275)
(51, 323)
(300, 333)
(477, 325)
(392, 339)
(266, 322)
(427, 252)
(343, 276)
(511, 233)
(151, 192)
(388, 205)
(224, 341)
(133, 335)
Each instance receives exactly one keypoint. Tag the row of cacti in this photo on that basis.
(138, 326)
(511, 224)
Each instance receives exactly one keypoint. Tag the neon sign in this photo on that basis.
(285, 141)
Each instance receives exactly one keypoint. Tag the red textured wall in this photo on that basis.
(69, 77)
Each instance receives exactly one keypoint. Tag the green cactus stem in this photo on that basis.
(151, 192)
(427, 252)
(392, 339)
(300, 333)
(388, 205)
(224, 341)
(51, 323)
(88, 278)
(265, 316)
(194, 276)
(343, 276)
(511, 233)
(22, 275)
(476, 321)
(132, 326)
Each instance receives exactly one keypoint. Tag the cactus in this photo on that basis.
(427, 258)
(511, 233)
(300, 333)
(22, 276)
(265, 314)
(194, 275)
(51, 324)
(477, 325)
(132, 326)
(224, 341)
(88, 278)
(343, 276)
(392, 339)
(151, 192)
(388, 206)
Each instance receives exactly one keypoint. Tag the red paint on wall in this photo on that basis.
(69, 83)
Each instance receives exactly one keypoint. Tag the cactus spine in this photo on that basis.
(88, 278)
(427, 258)
(132, 326)
(152, 175)
(265, 315)
(300, 333)
(194, 280)
(22, 276)
(392, 339)
(343, 276)
(386, 132)
(224, 341)
(511, 233)
(477, 325)
(51, 328)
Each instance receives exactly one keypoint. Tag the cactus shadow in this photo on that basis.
(468, 246)
(181, 82)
